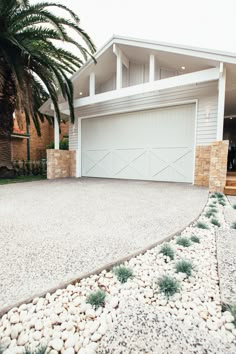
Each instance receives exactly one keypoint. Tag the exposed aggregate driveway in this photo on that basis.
(54, 231)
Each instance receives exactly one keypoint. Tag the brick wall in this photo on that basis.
(61, 163)
(211, 165)
(37, 143)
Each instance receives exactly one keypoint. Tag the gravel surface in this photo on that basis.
(144, 329)
(226, 254)
(54, 231)
(136, 316)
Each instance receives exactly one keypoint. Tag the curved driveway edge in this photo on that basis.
(53, 231)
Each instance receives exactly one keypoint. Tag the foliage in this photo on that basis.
(183, 241)
(123, 273)
(184, 267)
(210, 213)
(63, 145)
(233, 226)
(167, 251)
(39, 350)
(234, 206)
(219, 195)
(97, 299)
(232, 309)
(21, 179)
(222, 202)
(212, 196)
(201, 225)
(30, 168)
(195, 239)
(167, 285)
(212, 205)
(34, 64)
(215, 222)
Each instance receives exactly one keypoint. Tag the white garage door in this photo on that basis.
(153, 145)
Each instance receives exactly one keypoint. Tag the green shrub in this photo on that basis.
(184, 267)
(201, 225)
(215, 222)
(167, 250)
(212, 205)
(39, 350)
(233, 226)
(234, 206)
(64, 144)
(123, 274)
(97, 299)
(222, 202)
(183, 241)
(219, 195)
(195, 239)
(168, 286)
(232, 309)
(210, 213)
(212, 196)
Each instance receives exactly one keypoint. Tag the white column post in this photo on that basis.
(151, 68)
(118, 71)
(79, 150)
(92, 84)
(221, 102)
(56, 133)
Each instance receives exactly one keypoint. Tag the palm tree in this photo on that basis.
(33, 63)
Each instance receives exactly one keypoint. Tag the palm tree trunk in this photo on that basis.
(7, 107)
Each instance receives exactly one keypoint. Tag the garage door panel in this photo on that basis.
(150, 145)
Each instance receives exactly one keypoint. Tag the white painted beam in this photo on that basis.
(92, 84)
(119, 72)
(221, 102)
(56, 133)
(79, 150)
(151, 68)
(117, 51)
(169, 83)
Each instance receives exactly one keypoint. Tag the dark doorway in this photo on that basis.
(230, 134)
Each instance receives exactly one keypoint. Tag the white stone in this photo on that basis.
(14, 332)
(94, 326)
(37, 335)
(57, 344)
(229, 326)
(103, 328)
(114, 302)
(70, 342)
(23, 339)
(90, 313)
(15, 318)
(69, 351)
(38, 325)
(96, 336)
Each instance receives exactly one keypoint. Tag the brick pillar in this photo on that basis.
(61, 163)
(202, 165)
(218, 166)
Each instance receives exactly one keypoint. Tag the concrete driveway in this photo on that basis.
(53, 231)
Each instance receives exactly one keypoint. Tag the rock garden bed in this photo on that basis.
(164, 301)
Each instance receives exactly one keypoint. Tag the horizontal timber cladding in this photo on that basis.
(206, 94)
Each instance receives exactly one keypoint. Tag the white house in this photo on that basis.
(149, 111)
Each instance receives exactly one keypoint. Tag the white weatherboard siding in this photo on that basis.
(153, 145)
(206, 94)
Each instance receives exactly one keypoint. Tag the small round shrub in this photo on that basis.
(222, 202)
(97, 299)
(167, 250)
(210, 213)
(219, 195)
(184, 267)
(234, 206)
(123, 273)
(168, 286)
(233, 226)
(215, 222)
(201, 225)
(183, 241)
(212, 205)
(212, 196)
(195, 239)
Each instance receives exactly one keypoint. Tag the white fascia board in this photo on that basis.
(215, 55)
(169, 83)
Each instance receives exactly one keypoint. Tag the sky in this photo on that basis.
(202, 23)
